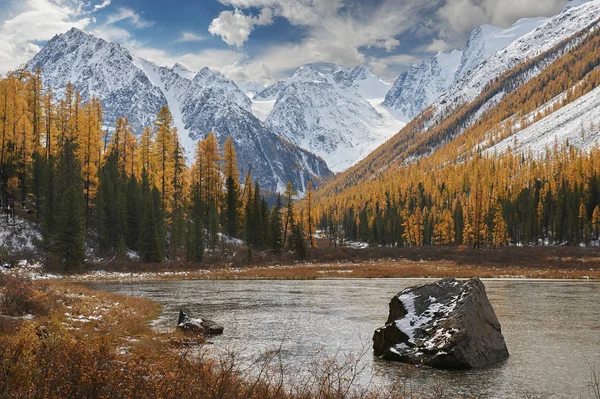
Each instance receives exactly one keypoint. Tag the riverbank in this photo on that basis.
(346, 262)
(325, 261)
(382, 268)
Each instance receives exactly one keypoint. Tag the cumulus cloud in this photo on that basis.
(461, 16)
(104, 4)
(334, 33)
(36, 21)
(438, 45)
(235, 27)
(187, 37)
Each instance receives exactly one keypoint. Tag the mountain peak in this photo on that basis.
(182, 71)
(307, 73)
(352, 74)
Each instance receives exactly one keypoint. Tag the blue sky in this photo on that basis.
(263, 40)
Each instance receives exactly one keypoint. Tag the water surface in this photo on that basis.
(552, 328)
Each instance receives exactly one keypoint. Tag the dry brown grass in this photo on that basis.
(438, 262)
(402, 268)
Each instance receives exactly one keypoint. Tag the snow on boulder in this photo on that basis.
(201, 326)
(449, 324)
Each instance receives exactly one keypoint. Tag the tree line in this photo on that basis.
(487, 201)
(89, 188)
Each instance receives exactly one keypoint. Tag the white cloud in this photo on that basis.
(212, 58)
(388, 44)
(127, 14)
(235, 27)
(333, 33)
(343, 31)
(438, 45)
(461, 16)
(190, 37)
(36, 20)
(104, 4)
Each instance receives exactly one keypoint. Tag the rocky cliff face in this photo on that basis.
(448, 324)
(421, 84)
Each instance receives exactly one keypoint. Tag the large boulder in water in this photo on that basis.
(449, 324)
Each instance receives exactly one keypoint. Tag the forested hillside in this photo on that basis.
(435, 186)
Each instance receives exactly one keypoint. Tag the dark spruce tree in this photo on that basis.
(150, 244)
(232, 207)
(296, 238)
(111, 205)
(68, 242)
(276, 227)
(195, 227)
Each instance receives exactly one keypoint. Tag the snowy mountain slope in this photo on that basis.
(304, 74)
(209, 79)
(363, 80)
(487, 40)
(577, 123)
(550, 32)
(134, 87)
(332, 115)
(421, 84)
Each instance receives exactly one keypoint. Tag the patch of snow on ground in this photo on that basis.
(19, 236)
(356, 244)
(231, 240)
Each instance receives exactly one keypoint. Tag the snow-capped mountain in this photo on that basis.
(137, 88)
(183, 71)
(548, 32)
(423, 83)
(486, 40)
(333, 115)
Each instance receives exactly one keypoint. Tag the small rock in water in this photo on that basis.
(449, 324)
(200, 326)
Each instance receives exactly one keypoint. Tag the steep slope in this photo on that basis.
(99, 68)
(527, 100)
(487, 40)
(577, 123)
(134, 87)
(182, 71)
(421, 84)
(550, 32)
(331, 115)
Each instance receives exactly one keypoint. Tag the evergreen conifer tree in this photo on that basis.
(68, 238)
